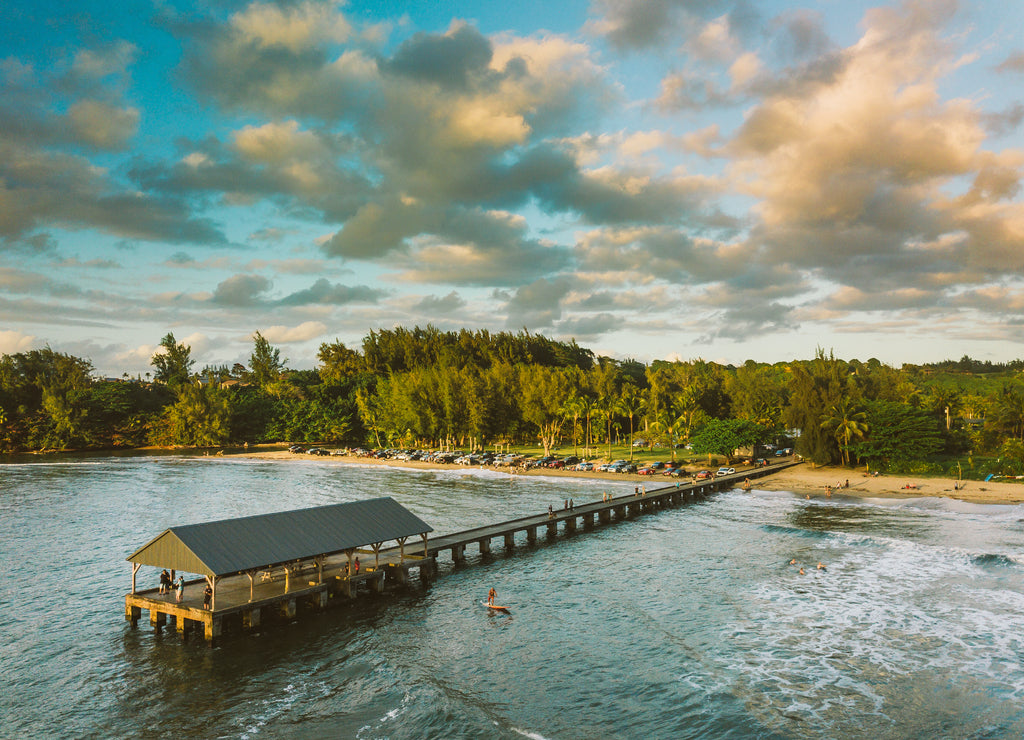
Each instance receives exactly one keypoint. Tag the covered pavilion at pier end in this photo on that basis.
(274, 562)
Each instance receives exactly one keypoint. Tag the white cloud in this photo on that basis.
(290, 334)
(13, 342)
(295, 27)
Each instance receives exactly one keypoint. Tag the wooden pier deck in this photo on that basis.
(311, 584)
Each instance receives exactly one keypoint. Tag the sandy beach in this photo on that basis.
(802, 479)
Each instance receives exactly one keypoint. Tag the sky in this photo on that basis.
(656, 179)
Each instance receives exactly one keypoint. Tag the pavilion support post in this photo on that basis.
(252, 585)
(132, 613)
(428, 568)
(377, 582)
(251, 618)
(376, 554)
(426, 550)
(320, 569)
(212, 627)
(348, 569)
(135, 569)
(401, 549)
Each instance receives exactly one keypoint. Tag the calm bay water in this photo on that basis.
(685, 623)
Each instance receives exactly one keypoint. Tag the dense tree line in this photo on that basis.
(427, 387)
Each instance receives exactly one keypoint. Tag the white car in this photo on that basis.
(725, 471)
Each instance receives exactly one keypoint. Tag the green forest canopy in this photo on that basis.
(425, 387)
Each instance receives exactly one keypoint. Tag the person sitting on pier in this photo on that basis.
(491, 595)
(207, 597)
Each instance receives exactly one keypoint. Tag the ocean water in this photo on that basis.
(687, 623)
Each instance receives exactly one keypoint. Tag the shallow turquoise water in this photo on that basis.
(685, 623)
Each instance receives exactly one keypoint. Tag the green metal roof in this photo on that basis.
(252, 542)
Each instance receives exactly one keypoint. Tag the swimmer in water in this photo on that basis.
(801, 571)
(821, 567)
(793, 561)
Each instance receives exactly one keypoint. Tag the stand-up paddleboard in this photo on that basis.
(495, 607)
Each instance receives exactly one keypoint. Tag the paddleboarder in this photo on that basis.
(491, 596)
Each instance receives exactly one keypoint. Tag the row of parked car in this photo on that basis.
(553, 462)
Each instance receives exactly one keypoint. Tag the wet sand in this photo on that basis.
(802, 479)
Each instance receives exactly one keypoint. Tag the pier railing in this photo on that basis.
(241, 599)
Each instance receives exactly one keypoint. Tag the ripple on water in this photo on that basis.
(686, 623)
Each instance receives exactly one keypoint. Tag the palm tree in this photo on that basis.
(573, 408)
(608, 405)
(590, 411)
(669, 422)
(1010, 411)
(631, 402)
(845, 422)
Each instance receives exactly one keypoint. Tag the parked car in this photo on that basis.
(585, 466)
(296, 449)
(726, 471)
(703, 474)
(647, 470)
(783, 452)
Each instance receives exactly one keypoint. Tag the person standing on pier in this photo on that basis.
(165, 581)
(179, 586)
(207, 597)
(356, 566)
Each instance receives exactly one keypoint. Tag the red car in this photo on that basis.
(704, 475)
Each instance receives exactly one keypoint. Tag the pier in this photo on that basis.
(275, 566)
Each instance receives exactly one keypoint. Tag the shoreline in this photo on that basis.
(800, 480)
